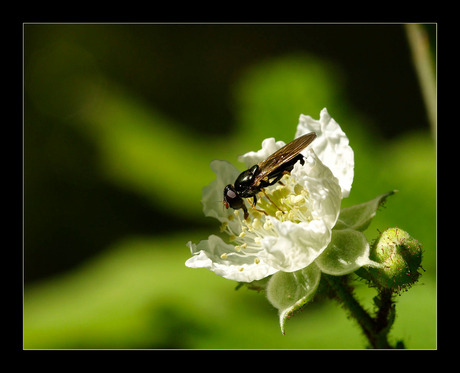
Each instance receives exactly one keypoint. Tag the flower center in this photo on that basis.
(286, 201)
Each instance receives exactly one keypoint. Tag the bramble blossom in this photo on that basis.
(300, 232)
(291, 239)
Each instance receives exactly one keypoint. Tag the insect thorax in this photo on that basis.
(244, 181)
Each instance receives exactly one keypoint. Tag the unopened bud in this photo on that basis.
(400, 256)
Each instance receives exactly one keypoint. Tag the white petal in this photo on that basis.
(216, 255)
(269, 146)
(296, 245)
(212, 195)
(331, 146)
(324, 191)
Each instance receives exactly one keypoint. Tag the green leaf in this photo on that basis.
(289, 291)
(359, 216)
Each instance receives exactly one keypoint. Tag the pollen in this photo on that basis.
(241, 247)
(224, 256)
(268, 225)
(287, 201)
(292, 214)
(256, 224)
(298, 199)
(256, 260)
(298, 189)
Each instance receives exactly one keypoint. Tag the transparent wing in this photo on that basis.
(283, 155)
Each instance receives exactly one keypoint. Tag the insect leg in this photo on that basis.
(246, 213)
(284, 173)
(273, 203)
(254, 206)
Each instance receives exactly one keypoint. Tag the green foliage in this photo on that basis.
(360, 216)
(289, 291)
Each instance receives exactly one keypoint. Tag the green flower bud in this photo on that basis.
(400, 256)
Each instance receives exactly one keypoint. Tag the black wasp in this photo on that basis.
(265, 173)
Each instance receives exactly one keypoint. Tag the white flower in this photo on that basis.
(295, 228)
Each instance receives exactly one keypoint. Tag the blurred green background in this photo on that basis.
(121, 122)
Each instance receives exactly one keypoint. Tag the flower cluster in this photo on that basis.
(297, 230)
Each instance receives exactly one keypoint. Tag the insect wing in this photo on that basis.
(283, 155)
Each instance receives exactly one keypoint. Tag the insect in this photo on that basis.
(265, 173)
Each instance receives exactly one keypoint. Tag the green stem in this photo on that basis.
(385, 317)
(385, 309)
(424, 66)
(376, 330)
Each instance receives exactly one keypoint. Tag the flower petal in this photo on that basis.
(297, 245)
(212, 195)
(331, 146)
(269, 146)
(216, 255)
(323, 188)
(347, 251)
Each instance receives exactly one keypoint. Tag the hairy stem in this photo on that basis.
(375, 329)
